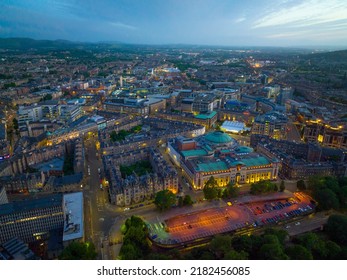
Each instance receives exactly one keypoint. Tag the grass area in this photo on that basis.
(122, 134)
(140, 168)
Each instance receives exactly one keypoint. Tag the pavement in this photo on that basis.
(245, 214)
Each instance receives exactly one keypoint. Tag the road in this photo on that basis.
(97, 221)
(309, 223)
(293, 133)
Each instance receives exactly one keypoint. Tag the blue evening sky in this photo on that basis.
(211, 22)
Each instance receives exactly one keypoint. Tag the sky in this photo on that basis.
(204, 22)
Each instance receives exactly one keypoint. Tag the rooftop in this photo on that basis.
(192, 153)
(243, 150)
(206, 116)
(29, 205)
(212, 166)
(249, 161)
(233, 126)
(218, 137)
(73, 216)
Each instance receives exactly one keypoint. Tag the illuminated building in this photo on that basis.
(329, 135)
(135, 188)
(273, 124)
(31, 220)
(219, 155)
(302, 160)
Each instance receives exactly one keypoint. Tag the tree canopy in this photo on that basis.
(230, 191)
(263, 186)
(298, 252)
(164, 199)
(135, 244)
(328, 191)
(79, 251)
(211, 189)
(336, 228)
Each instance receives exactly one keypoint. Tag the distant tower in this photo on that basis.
(121, 81)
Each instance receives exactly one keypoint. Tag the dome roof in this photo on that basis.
(218, 137)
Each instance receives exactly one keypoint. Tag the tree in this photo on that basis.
(211, 183)
(220, 244)
(263, 186)
(211, 189)
(336, 228)
(230, 191)
(129, 251)
(187, 200)
(298, 252)
(279, 233)
(234, 255)
(282, 186)
(242, 243)
(301, 186)
(333, 249)
(79, 251)
(272, 251)
(135, 244)
(326, 199)
(164, 199)
(314, 244)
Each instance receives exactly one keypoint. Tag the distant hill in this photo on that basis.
(336, 56)
(27, 43)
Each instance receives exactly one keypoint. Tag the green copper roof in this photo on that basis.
(212, 166)
(243, 150)
(250, 162)
(194, 153)
(206, 116)
(218, 137)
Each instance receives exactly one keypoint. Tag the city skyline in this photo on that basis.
(269, 23)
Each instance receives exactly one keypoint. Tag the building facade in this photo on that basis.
(132, 189)
(31, 220)
(219, 155)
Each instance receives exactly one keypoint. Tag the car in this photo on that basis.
(126, 209)
(229, 203)
(288, 226)
(297, 223)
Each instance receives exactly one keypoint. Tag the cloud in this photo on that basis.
(307, 13)
(123, 25)
(241, 19)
